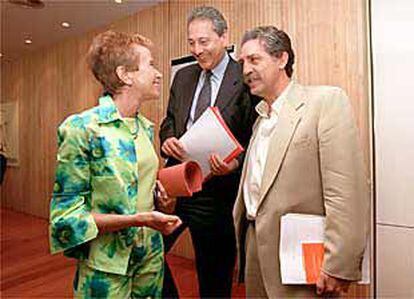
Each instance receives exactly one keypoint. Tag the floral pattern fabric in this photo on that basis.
(96, 172)
(144, 276)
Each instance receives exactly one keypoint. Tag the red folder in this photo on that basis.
(208, 135)
(239, 149)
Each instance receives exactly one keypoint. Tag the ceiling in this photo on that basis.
(43, 26)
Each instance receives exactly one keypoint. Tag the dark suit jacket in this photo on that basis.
(236, 105)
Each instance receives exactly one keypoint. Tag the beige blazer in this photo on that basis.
(314, 166)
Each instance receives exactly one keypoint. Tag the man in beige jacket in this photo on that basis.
(303, 157)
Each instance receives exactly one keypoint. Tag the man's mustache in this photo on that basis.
(249, 78)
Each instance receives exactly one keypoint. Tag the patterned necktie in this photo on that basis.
(204, 99)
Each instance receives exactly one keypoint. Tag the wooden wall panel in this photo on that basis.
(12, 184)
(329, 39)
(330, 43)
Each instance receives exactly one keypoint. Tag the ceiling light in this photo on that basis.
(118, 1)
(65, 25)
(1, 55)
(28, 41)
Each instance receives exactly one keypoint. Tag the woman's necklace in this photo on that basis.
(136, 131)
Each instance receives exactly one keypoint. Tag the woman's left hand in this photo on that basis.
(164, 223)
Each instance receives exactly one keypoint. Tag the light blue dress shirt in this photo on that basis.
(216, 79)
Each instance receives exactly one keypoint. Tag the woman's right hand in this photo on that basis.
(163, 203)
(164, 223)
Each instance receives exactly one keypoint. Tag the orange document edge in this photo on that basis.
(239, 148)
(312, 260)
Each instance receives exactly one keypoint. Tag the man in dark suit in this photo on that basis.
(216, 80)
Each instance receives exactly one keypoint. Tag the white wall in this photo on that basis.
(393, 79)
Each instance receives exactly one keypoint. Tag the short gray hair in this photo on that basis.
(209, 13)
(275, 42)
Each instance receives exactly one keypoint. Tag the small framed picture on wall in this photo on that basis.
(9, 132)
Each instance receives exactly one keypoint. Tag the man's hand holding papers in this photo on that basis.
(331, 286)
(210, 142)
(220, 167)
(174, 148)
(301, 255)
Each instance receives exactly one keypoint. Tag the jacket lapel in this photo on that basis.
(186, 96)
(288, 121)
(230, 85)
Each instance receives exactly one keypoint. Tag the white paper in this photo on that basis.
(296, 229)
(205, 137)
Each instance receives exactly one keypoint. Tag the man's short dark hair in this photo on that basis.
(275, 42)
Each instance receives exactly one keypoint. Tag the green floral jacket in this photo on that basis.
(96, 171)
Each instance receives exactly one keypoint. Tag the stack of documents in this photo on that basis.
(301, 249)
(210, 135)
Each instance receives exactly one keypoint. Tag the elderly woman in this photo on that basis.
(101, 212)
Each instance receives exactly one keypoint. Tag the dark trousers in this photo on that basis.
(212, 234)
